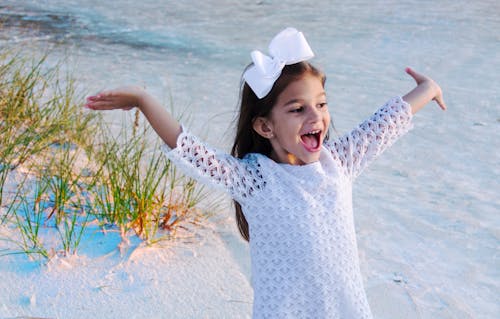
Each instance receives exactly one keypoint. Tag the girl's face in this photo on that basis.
(298, 122)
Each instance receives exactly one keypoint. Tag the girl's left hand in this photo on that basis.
(433, 89)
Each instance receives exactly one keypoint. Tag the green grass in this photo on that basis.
(62, 167)
(28, 216)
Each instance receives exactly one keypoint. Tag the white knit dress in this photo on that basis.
(303, 247)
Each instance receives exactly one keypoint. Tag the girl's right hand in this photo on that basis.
(124, 98)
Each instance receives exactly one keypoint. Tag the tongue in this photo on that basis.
(310, 141)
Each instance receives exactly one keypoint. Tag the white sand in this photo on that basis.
(193, 277)
(205, 273)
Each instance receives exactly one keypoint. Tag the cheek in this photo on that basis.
(284, 124)
(328, 118)
(328, 124)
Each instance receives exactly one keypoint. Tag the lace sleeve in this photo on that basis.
(367, 141)
(238, 177)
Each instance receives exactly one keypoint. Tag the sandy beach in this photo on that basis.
(194, 277)
(426, 213)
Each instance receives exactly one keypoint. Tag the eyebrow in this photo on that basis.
(300, 100)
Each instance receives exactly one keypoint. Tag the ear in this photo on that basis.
(262, 126)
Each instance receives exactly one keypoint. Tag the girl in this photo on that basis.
(291, 185)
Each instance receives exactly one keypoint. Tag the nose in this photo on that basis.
(314, 115)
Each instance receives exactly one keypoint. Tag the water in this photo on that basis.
(427, 212)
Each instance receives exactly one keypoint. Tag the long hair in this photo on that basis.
(247, 140)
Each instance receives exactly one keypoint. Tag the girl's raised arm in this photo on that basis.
(425, 91)
(237, 177)
(126, 98)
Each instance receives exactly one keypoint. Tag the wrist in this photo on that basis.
(141, 96)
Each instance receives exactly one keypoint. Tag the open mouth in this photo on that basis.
(311, 140)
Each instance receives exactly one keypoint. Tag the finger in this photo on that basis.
(92, 98)
(104, 95)
(410, 71)
(415, 75)
(98, 97)
(100, 105)
(441, 103)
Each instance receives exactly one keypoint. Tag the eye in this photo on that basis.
(297, 109)
(323, 105)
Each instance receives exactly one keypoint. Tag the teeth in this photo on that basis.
(313, 132)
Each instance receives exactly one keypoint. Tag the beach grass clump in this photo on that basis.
(28, 214)
(138, 190)
(64, 182)
(37, 110)
(63, 168)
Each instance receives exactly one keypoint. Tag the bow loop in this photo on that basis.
(288, 47)
(267, 66)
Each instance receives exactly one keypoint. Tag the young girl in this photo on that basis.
(291, 184)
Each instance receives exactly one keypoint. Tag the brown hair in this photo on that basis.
(247, 140)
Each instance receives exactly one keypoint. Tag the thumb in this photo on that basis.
(415, 75)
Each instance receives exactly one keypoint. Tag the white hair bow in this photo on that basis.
(287, 47)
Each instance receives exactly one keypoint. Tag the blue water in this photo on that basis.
(427, 212)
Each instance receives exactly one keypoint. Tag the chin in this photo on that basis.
(309, 159)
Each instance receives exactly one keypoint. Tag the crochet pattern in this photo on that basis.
(302, 239)
(356, 149)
